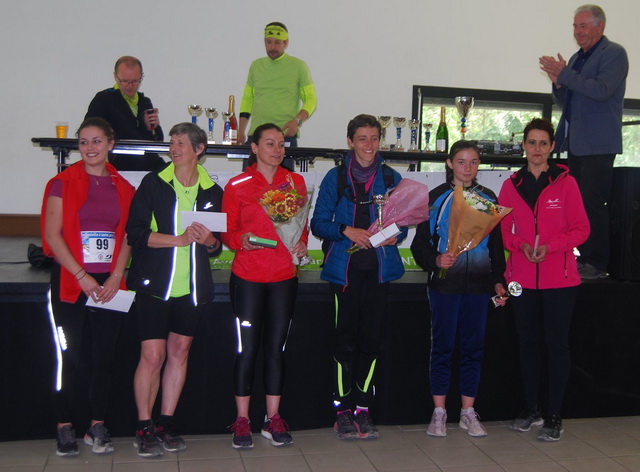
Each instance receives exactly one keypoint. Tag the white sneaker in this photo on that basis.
(470, 421)
(438, 425)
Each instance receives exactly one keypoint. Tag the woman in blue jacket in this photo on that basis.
(360, 281)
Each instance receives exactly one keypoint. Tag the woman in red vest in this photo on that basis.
(84, 213)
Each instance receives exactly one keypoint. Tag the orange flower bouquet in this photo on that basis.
(288, 208)
(471, 219)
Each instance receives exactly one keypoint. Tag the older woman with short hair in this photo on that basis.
(171, 274)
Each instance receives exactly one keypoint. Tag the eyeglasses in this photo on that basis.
(129, 82)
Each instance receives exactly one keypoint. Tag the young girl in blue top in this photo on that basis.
(459, 301)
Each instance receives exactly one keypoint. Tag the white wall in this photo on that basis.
(364, 57)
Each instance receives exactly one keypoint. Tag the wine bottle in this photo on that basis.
(230, 135)
(442, 134)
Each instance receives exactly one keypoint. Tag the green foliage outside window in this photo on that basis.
(500, 124)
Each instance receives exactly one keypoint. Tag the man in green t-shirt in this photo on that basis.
(276, 87)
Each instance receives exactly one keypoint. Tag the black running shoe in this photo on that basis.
(98, 437)
(526, 420)
(277, 430)
(365, 427)
(344, 426)
(147, 443)
(66, 442)
(552, 429)
(169, 437)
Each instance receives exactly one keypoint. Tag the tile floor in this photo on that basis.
(600, 444)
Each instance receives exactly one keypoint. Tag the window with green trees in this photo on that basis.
(502, 115)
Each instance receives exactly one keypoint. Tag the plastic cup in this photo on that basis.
(61, 129)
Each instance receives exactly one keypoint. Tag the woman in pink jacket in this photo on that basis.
(548, 220)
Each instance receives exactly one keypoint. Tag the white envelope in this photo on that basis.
(121, 302)
(213, 221)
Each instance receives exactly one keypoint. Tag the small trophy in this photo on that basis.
(381, 201)
(212, 114)
(384, 123)
(514, 289)
(414, 125)
(464, 105)
(399, 123)
(427, 136)
(195, 111)
(226, 132)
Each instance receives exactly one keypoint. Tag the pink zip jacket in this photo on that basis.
(560, 220)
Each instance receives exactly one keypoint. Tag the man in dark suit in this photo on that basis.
(590, 90)
(129, 112)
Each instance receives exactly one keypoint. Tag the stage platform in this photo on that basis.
(604, 342)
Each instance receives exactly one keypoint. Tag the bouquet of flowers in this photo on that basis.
(406, 204)
(288, 209)
(471, 219)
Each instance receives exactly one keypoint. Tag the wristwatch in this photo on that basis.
(299, 121)
(213, 246)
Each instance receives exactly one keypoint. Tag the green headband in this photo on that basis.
(277, 32)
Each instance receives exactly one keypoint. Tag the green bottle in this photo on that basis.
(442, 135)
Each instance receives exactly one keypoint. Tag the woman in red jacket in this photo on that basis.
(263, 283)
(84, 213)
(548, 220)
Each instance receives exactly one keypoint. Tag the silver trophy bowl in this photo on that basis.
(195, 111)
(385, 121)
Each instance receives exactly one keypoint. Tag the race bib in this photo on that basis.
(97, 246)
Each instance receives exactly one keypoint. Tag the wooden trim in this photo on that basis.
(19, 225)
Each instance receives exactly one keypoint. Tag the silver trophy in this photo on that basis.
(427, 136)
(381, 201)
(384, 123)
(226, 132)
(464, 105)
(414, 125)
(212, 114)
(514, 289)
(399, 123)
(195, 111)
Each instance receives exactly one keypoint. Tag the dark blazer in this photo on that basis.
(596, 103)
(110, 105)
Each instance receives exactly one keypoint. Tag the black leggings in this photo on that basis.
(71, 322)
(360, 316)
(543, 321)
(263, 313)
